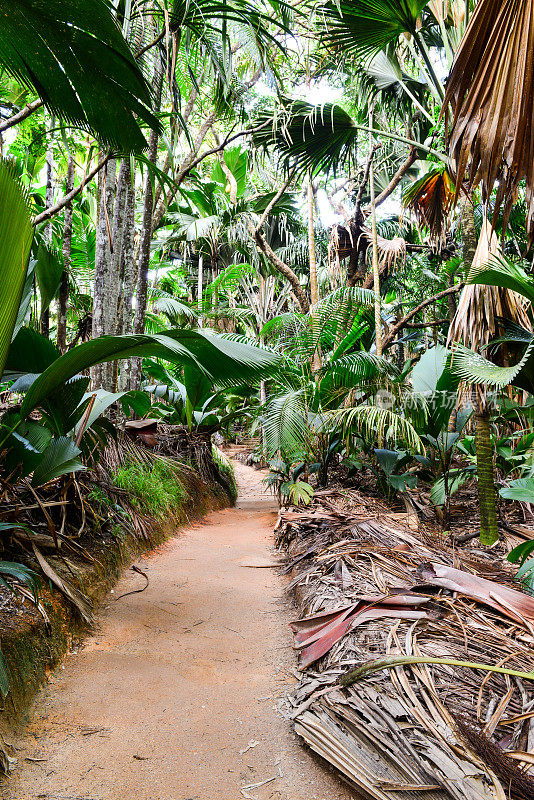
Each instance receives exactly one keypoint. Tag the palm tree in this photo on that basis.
(307, 410)
(476, 325)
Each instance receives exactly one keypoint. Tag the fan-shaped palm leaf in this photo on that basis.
(365, 27)
(320, 138)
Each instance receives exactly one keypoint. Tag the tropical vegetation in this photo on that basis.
(309, 223)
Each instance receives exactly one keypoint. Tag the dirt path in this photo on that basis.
(177, 695)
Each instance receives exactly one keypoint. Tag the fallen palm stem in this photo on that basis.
(403, 661)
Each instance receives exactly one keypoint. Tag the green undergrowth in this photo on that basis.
(157, 489)
(226, 469)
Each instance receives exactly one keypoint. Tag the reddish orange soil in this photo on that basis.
(177, 696)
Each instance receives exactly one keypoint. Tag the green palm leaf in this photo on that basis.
(365, 27)
(74, 55)
(59, 458)
(474, 368)
(375, 424)
(222, 360)
(501, 272)
(285, 426)
(354, 369)
(322, 138)
(16, 235)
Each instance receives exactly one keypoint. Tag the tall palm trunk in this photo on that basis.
(127, 277)
(200, 287)
(63, 298)
(314, 290)
(112, 321)
(487, 502)
(374, 238)
(102, 262)
(484, 454)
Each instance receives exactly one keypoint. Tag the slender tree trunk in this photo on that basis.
(49, 201)
(67, 259)
(451, 299)
(200, 287)
(314, 289)
(102, 262)
(469, 232)
(112, 323)
(374, 238)
(487, 502)
(128, 279)
(143, 263)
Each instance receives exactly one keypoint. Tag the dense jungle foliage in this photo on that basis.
(308, 224)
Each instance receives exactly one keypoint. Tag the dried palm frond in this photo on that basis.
(401, 733)
(391, 253)
(491, 92)
(476, 323)
(431, 199)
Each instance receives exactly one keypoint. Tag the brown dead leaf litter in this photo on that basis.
(178, 694)
(369, 585)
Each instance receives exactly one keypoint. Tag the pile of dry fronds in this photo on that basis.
(371, 587)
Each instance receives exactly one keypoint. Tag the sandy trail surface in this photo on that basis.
(177, 695)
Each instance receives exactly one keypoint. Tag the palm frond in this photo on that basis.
(376, 424)
(364, 27)
(490, 92)
(284, 423)
(473, 368)
(322, 138)
(431, 199)
(76, 58)
(500, 271)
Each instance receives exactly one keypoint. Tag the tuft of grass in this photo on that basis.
(154, 489)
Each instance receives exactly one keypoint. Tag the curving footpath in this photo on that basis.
(177, 696)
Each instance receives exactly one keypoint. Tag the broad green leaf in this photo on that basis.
(16, 235)
(30, 353)
(48, 272)
(521, 489)
(521, 552)
(503, 273)
(60, 457)
(222, 360)
(432, 378)
(73, 54)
